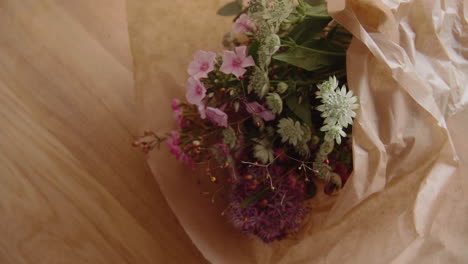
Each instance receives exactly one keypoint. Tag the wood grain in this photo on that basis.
(72, 190)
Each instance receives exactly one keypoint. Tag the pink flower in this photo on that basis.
(217, 116)
(195, 91)
(202, 64)
(173, 143)
(236, 62)
(178, 117)
(175, 105)
(243, 24)
(257, 109)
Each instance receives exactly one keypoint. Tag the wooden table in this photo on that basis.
(72, 190)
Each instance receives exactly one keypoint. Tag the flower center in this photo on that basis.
(236, 62)
(204, 66)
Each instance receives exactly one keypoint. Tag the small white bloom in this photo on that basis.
(337, 108)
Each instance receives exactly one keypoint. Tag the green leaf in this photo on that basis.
(310, 59)
(316, 9)
(230, 9)
(300, 109)
(308, 29)
(253, 50)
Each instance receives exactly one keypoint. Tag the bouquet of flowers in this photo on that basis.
(270, 116)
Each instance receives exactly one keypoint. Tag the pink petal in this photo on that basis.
(217, 116)
(267, 115)
(226, 67)
(241, 51)
(249, 61)
(193, 68)
(238, 72)
(195, 91)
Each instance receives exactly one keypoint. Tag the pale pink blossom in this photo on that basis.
(195, 91)
(236, 61)
(202, 64)
(243, 24)
(259, 110)
(217, 116)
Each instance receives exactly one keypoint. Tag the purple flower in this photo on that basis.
(257, 109)
(274, 214)
(217, 116)
(243, 24)
(195, 91)
(236, 61)
(202, 64)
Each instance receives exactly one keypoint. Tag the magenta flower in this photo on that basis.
(175, 105)
(173, 143)
(259, 110)
(178, 117)
(195, 91)
(217, 116)
(236, 61)
(202, 64)
(243, 24)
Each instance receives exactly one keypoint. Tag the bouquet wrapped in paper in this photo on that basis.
(270, 109)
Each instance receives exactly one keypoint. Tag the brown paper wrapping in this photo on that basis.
(406, 200)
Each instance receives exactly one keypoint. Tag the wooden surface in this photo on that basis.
(72, 190)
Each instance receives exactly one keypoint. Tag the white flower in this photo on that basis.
(337, 108)
(263, 151)
(334, 132)
(290, 131)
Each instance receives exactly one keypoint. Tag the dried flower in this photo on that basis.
(236, 61)
(290, 131)
(202, 64)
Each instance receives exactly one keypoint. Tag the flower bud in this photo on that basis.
(282, 87)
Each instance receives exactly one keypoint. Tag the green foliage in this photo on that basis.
(299, 104)
(231, 9)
